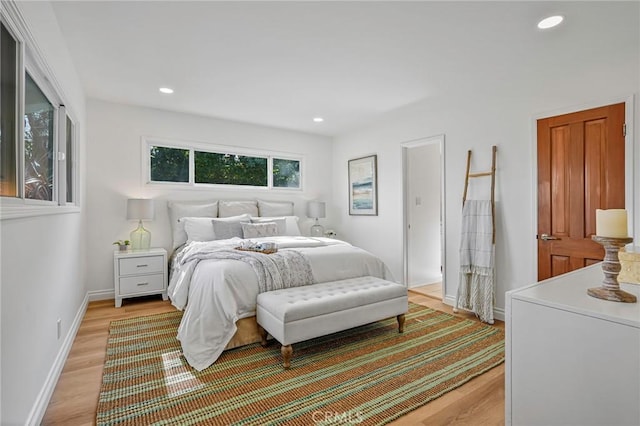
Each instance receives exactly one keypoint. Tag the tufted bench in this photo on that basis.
(296, 314)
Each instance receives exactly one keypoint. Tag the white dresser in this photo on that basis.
(571, 359)
(139, 273)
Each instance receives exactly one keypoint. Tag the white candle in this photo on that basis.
(611, 223)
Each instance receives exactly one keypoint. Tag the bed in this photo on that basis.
(217, 285)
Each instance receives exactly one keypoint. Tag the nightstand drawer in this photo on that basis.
(141, 265)
(141, 284)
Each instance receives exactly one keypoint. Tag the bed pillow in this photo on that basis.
(179, 209)
(291, 224)
(280, 222)
(258, 230)
(229, 227)
(275, 208)
(235, 208)
(198, 228)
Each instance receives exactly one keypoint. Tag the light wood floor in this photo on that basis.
(75, 399)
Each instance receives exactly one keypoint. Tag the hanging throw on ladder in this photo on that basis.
(476, 289)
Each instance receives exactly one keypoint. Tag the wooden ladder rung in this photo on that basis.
(473, 175)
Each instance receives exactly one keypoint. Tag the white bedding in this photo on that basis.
(214, 294)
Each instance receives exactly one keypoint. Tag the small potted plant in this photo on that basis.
(123, 245)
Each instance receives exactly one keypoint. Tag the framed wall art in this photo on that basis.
(363, 186)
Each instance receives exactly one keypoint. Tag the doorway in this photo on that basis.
(423, 191)
(581, 168)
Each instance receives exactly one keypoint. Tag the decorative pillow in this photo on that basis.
(257, 230)
(275, 208)
(279, 221)
(229, 227)
(198, 228)
(178, 209)
(235, 208)
(291, 224)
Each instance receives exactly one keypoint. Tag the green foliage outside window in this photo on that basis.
(169, 164)
(286, 173)
(172, 165)
(38, 143)
(230, 169)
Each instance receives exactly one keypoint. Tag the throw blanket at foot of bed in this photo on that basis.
(297, 314)
(283, 269)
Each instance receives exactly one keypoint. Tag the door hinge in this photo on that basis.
(624, 129)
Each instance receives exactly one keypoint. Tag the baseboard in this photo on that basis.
(42, 401)
(101, 295)
(498, 313)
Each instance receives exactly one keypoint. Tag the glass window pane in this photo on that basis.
(169, 164)
(230, 169)
(69, 161)
(38, 143)
(9, 108)
(286, 173)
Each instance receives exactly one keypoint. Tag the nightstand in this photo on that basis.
(139, 273)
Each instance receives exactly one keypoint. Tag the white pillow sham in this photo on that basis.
(235, 208)
(198, 228)
(275, 208)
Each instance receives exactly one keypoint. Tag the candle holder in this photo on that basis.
(610, 289)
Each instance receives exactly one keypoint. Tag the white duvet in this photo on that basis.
(214, 294)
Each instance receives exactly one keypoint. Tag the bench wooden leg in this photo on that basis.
(263, 336)
(400, 323)
(287, 351)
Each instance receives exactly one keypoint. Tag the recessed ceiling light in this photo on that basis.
(166, 90)
(550, 22)
(318, 119)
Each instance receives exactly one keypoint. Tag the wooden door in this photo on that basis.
(581, 168)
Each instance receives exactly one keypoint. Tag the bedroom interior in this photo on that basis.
(472, 74)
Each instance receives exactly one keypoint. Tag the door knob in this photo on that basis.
(547, 237)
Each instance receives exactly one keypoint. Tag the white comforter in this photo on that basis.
(214, 294)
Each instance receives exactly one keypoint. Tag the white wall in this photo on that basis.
(43, 274)
(502, 115)
(114, 160)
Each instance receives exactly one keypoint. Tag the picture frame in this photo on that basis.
(363, 186)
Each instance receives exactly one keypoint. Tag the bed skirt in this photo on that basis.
(246, 333)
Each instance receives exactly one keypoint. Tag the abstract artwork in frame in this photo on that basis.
(363, 186)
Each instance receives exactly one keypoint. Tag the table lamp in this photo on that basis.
(316, 209)
(140, 209)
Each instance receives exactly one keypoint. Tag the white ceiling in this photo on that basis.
(282, 63)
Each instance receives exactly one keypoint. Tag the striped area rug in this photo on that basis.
(369, 375)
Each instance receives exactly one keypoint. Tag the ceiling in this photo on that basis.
(282, 63)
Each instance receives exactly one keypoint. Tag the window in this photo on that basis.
(37, 133)
(230, 169)
(169, 164)
(38, 143)
(8, 118)
(286, 173)
(199, 164)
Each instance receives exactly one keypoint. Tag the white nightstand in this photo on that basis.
(139, 272)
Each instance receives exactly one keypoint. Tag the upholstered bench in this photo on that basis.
(296, 314)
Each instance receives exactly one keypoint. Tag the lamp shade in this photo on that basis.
(316, 209)
(140, 209)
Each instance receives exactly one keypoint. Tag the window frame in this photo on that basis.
(30, 60)
(148, 141)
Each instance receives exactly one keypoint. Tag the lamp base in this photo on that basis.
(140, 238)
(317, 230)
